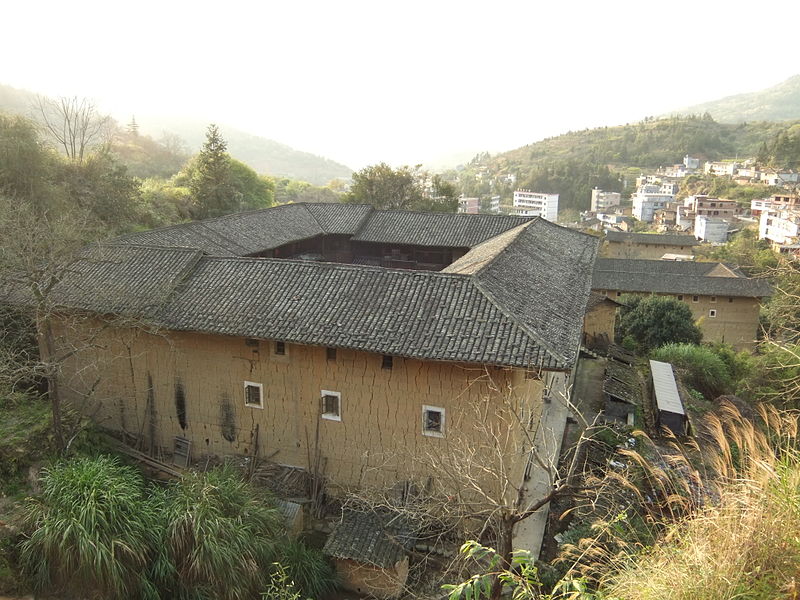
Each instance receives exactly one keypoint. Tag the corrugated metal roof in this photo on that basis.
(666, 389)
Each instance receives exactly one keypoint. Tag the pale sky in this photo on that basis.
(402, 82)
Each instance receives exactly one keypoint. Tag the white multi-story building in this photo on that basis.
(648, 199)
(494, 204)
(602, 201)
(536, 204)
(721, 168)
(710, 229)
(779, 227)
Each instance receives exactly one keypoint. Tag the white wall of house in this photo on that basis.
(714, 231)
(536, 204)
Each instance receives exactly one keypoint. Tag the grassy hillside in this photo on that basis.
(778, 103)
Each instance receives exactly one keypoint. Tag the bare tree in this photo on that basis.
(495, 469)
(74, 124)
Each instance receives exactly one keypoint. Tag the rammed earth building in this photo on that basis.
(723, 300)
(362, 336)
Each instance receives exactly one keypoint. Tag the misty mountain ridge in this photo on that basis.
(264, 155)
(777, 103)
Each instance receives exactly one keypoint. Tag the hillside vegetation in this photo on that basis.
(777, 103)
(261, 154)
(610, 157)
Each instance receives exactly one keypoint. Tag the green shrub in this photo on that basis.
(221, 536)
(704, 370)
(93, 531)
(657, 320)
(311, 573)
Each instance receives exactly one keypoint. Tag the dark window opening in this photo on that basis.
(433, 421)
(387, 361)
(331, 406)
(280, 348)
(330, 353)
(252, 395)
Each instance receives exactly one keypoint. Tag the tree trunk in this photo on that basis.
(505, 532)
(53, 390)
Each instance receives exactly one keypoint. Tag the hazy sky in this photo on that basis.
(401, 82)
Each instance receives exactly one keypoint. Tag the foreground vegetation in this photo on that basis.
(99, 528)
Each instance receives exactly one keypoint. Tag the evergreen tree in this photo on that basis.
(210, 184)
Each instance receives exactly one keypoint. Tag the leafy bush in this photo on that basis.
(220, 536)
(705, 371)
(657, 320)
(93, 530)
(311, 573)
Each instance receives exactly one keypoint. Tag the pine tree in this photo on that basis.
(211, 181)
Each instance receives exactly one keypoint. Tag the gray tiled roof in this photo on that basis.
(669, 239)
(378, 539)
(129, 280)
(434, 229)
(255, 231)
(524, 307)
(340, 218)
(674, 277)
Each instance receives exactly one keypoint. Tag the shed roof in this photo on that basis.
(622, 382)
(675, 277)
(667, 239)
(666, 389)
(380, 539)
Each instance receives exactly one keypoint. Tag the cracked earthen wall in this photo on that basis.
(176, 384)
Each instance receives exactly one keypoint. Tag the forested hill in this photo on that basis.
(778, 103)
(573, 163)
(265, 156)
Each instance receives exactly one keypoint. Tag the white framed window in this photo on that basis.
(432, 421)
(253, 394)
(331, 405)
(712, 312)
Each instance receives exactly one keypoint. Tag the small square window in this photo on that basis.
(680, 297)
(619, 294)
(331, 405)
(712, 313)
(330, 353)
(253, 394)
(432, 421)
(387, 363)
(730, 299)
(695, 298)
(280, 348)
(713, 298)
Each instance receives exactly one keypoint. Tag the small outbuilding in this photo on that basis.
(670, 412)
(622, 389)
(370, 551)
(598, 322)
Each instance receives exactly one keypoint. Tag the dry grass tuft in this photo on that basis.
(745, 541)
